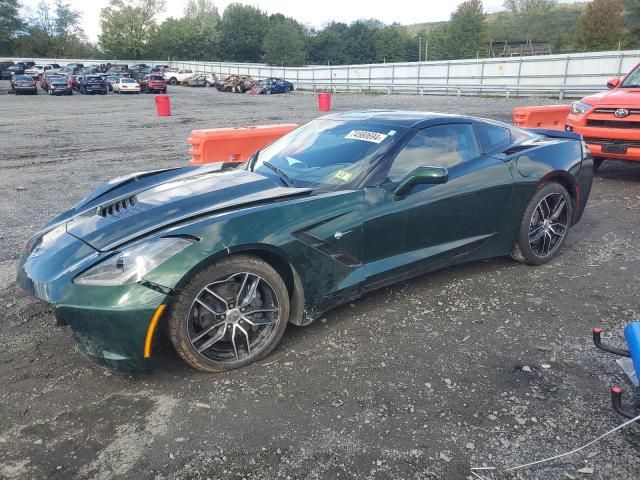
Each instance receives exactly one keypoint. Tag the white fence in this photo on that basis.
(562, 75)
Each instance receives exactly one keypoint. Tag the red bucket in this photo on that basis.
(324, 102)
(163, 105)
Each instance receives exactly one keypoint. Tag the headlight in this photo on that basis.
(580, 107)
(131, 265)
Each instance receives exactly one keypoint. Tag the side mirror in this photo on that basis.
(421, 176)
(613, 82)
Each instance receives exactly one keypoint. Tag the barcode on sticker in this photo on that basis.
(373, 137)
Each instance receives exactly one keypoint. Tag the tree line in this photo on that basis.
(244, 33)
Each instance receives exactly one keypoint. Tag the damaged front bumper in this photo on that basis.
(110, 324)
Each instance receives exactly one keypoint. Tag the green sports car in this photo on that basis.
(224, 256)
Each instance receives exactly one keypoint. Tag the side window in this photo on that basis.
(440, 146)
(493, 137)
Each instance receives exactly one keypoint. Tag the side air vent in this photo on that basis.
(517, 148)
(116, 208)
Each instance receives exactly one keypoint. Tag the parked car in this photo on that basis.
(69, 70)
(109, 80)
(225, 256)
(274, 85)
(59, 86)
(139, 66)
(37, 70)
(26, 63)
(10, 71)
(46, 79)
(117, 69)
(126, 85)
(4, 64)
(174, 78)
(23, 84)
(153, 83)
(160, 68)
(90, 84)
(609, 121)
(76, 80)
(74, 65)
(139, 74)
(200, 80)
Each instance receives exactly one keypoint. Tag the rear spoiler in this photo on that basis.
(556, 133)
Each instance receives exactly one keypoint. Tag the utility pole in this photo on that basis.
(426, 50)
(419, 49)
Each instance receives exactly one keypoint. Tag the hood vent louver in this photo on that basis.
(118, 208)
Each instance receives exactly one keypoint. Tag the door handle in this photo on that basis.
(339, 235)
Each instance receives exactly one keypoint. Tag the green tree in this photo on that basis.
(242, 31)
(439, 46)
(328, 45)
(529, 7)
(467, 30)
(284, 43)
(359, 39)
(10, 24)
(54, 32)
(390, 43)
(632, 21)
(601, 26)
(179, 39)
(128, 28)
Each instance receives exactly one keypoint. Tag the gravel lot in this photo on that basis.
(489, 363)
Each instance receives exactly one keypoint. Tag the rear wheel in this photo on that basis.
(173, 81)
(597, 162)
(229, 315)
(544, 226)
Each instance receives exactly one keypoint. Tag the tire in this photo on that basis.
(286, 90)
(192, 326)
(173, 81)
(597, 163)
(207, 84)
(164, 90)
(547, 219)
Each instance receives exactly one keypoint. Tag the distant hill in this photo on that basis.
(556, 28)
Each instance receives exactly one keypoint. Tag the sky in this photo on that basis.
(401, 11)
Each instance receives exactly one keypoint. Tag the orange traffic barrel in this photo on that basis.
(235, 144)
(163, 105)
(551, 117)
(324, 102)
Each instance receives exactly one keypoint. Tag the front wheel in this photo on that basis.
(229, 315)
(544, 226)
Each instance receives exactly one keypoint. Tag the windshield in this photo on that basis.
(23, 78)
(127, 80)
(328, 154)
(633, 79)
(60, 81)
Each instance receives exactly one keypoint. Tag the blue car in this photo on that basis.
(275, 85)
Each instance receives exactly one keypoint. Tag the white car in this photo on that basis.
(38, 70)
(174, 78)
(126, 85)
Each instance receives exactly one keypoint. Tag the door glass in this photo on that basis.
(439, 146)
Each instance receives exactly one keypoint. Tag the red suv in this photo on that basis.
(153, 83)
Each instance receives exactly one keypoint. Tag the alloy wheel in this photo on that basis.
(549, 224)
(234, 318)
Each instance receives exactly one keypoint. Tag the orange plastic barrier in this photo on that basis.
(233, 144)
(550, 117)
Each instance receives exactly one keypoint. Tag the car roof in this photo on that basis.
(400, 118)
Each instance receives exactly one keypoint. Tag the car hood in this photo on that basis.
(136, 206)
(617, 97)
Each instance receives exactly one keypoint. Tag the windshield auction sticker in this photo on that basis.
(373, 137)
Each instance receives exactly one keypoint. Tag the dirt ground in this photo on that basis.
(489, 363)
